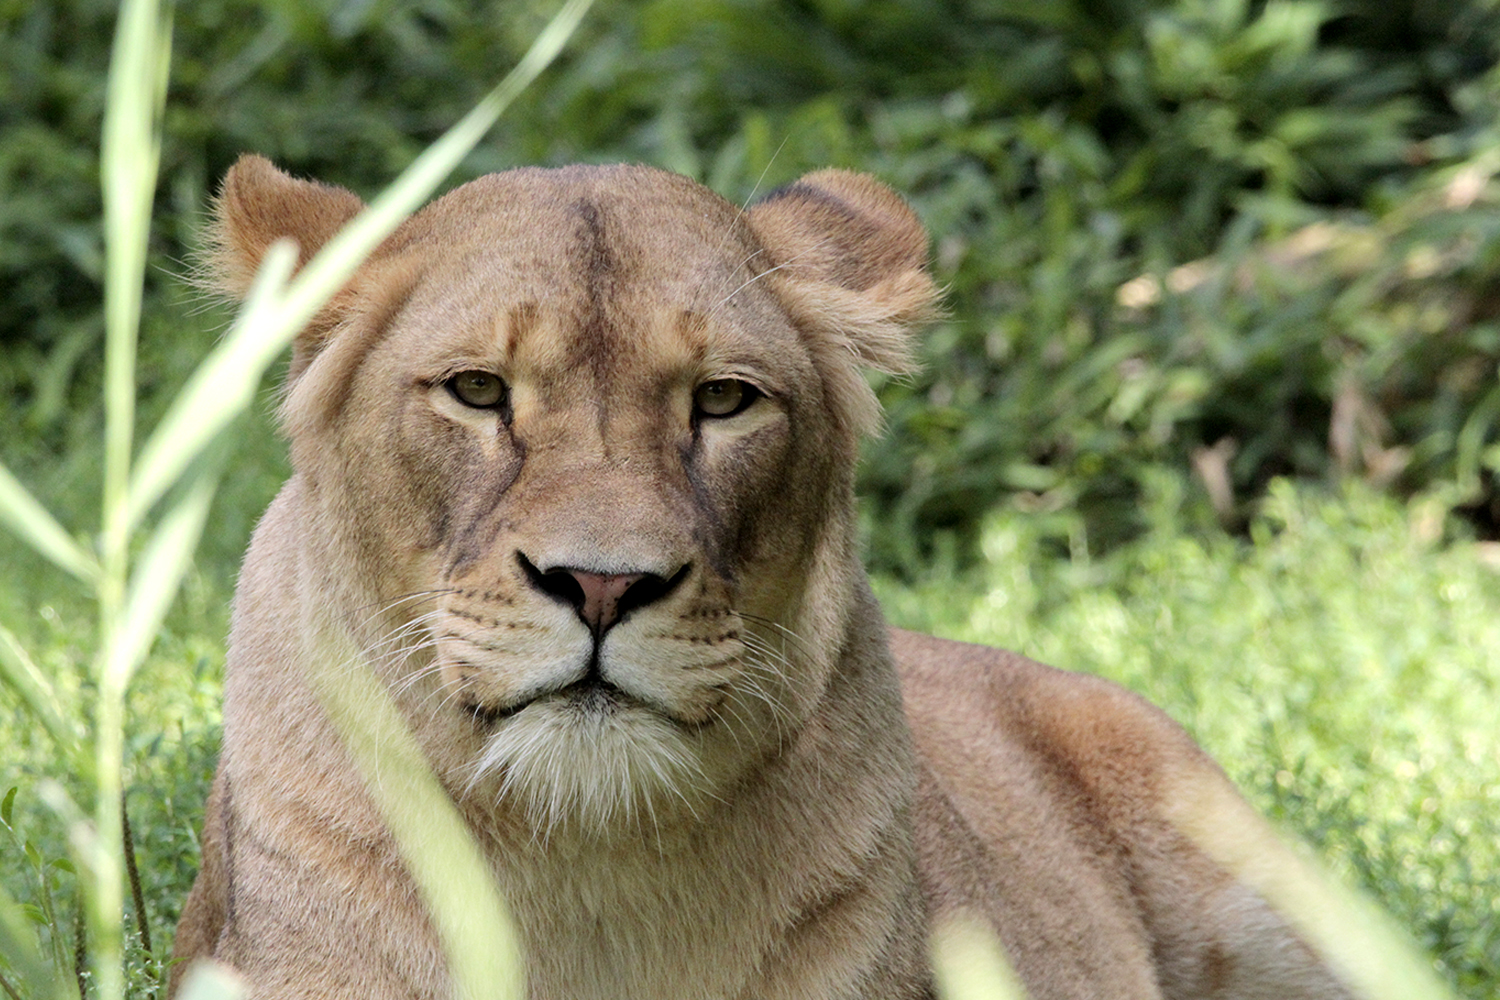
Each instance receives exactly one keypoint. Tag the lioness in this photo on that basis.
(574, 455)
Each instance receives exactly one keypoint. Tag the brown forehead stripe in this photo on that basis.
(517, 323)
(597, 341)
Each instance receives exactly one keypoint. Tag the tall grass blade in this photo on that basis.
(211, 981)
(37, 694)
(231, 373)
(130, 154)
(478, 936)
(24, 515)
(221, 388)
(81, 838)
(158, 576)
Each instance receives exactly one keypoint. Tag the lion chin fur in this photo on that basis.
(594, 770)
(573, 458)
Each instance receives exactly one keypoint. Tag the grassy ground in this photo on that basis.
(173, 726)
(1343, 666)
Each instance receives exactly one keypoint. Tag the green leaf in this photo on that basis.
(8, 805)
(18, 945)
(21, 512)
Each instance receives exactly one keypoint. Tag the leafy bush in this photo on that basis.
(1355, 346)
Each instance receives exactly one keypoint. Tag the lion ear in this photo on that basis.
(849, 262)
(258, 205)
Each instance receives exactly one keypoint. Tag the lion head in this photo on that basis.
(574, 454)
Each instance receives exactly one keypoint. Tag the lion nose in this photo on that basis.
(601, 599)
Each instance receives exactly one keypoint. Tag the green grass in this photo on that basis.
(172, 727)
(1342, 666)
(172, 707)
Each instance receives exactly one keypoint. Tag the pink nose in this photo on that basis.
(601, 596)
(601, 599)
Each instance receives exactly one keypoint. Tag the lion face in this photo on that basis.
(587, 438)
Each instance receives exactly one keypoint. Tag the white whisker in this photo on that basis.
(745, 207)
(770, 270)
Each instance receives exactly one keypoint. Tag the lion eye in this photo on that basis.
(480, 390)
(724, 397)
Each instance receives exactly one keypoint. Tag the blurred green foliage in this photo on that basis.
(1059, 151)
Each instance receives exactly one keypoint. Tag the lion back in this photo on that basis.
(1055, 807)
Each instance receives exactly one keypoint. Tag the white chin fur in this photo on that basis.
(573, 768)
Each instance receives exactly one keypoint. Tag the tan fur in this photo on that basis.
(700, 782)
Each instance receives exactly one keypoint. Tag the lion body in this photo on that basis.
(573, 463)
